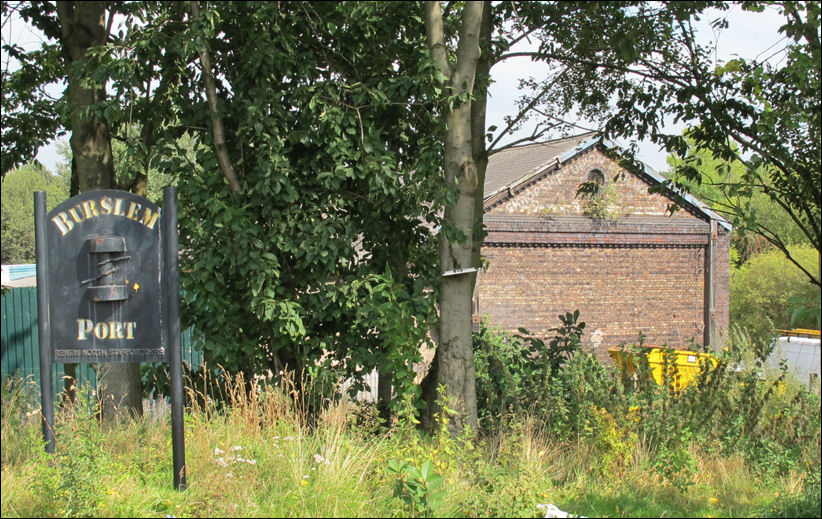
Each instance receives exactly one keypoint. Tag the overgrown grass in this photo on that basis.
(257, 456)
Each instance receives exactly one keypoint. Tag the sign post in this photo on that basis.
(175, 348)
(108, 291)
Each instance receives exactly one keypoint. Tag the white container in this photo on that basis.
(801, 354)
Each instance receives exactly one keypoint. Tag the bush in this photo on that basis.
(514, 371)
(762, 289)
(736, 408)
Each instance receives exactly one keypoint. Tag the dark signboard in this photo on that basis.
(104, 286)
(108, 291)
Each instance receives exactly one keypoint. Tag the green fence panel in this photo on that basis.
(20, 342)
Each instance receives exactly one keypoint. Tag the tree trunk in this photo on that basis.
(217, 129)
(455, 351)
(384, 389)
(83, 26)
(478, 150)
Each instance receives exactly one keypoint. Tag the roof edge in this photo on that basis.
(695, 205)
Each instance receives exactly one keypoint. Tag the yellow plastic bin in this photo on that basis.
(684, 365)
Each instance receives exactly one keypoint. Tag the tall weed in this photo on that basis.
(734, 408)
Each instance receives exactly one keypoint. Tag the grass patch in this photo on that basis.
(256, 457)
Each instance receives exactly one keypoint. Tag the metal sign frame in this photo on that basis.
(108, 291)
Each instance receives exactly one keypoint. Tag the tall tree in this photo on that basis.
(466, 41)
(300, 130)
(74, 30)
(455, 368)
(304, 202)
(84, 27)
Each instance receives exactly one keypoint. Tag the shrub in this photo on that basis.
(764, 291)
(514, 371)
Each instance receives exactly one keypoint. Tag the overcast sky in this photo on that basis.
(750, 35)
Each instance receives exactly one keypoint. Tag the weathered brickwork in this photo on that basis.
(643, 273)
(619, 292)
(722, 283)
(554, 192)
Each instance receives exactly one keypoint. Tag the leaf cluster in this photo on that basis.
(325, 255)
(17, 214)
(337, 149)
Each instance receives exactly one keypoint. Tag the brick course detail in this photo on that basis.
(644, 273)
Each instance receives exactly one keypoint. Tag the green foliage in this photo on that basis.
(601, 204)
(68, 483)
(513, 372)
(336, 170)
(256, 458)
(767, 289)
(736, 408)
(806, 504)
(394, 312)
(30, 115)
(417, 487)
(288, 272)
(764, 114)
(19, 186)
(757, 220)
(20, 399)
(806, 310)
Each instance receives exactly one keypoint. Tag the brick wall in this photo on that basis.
(722, 287)
(643, 273)
(618, 291)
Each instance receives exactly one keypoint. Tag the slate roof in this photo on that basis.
(510, 165)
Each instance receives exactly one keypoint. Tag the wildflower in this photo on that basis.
(304, 483)
(713, 500)
(319, 459)
(217, 451)
(250, 462)
(236, 448)
(221, 462)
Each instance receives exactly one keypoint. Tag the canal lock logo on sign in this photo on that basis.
(105, 279)
(108, 291)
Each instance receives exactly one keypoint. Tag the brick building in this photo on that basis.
(623, 261)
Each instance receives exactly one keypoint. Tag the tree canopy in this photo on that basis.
(315, 146)
(17, 214)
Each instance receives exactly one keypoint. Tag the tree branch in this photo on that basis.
(436, 36)
(218, 131)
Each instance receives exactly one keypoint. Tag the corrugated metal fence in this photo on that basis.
(20, 342)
